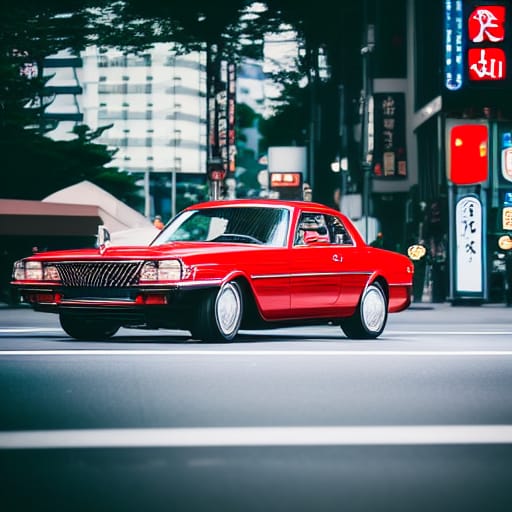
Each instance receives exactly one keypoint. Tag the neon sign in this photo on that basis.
(477, 41)
(487, 24)
(453, 45)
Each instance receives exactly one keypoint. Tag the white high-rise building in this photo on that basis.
(155, 102)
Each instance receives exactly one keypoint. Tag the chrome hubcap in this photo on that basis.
(228, 309)
(374, 310)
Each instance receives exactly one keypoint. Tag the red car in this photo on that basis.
(221, 266)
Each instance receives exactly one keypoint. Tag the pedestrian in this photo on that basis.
(157, 222)
(379, 241)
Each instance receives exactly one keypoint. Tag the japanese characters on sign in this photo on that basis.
(453, 70)
(389, 146)
(469, 261)
(478, 37)
(486, 30)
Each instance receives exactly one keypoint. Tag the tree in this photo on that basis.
(34, 165)
(30, 30)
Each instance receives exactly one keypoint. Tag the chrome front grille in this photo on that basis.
(112, 274)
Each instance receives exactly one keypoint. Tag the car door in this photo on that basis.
(316, 265)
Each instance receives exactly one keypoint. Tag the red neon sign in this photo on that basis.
(468, 154)
(487, 64)
(486, 58)
(486, 23)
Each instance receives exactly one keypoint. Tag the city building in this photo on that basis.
(440, 150)
(154, 104)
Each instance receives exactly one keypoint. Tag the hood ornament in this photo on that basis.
(103, 238)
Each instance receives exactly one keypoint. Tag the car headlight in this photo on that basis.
(50, 273)
(163, 270)
(33, 270)
(18, 271)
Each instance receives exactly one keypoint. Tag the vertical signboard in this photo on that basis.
(504, 175)
(231, 164)
(453, 53)
(486, 58)
(469, 247)
(212, 77)
(389, 160)
(477, 46)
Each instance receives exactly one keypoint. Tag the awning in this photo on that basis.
(35, 218)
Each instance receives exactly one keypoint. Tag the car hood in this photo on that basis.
(173, 250)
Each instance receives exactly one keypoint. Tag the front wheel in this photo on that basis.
(371, 315)
(87, 329)
(219, 314)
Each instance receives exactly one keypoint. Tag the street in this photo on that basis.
(287, 419)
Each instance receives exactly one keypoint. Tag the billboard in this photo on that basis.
(389, 155)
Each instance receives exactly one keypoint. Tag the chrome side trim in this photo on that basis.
(98, 302)
(309, 274)
(194, 284)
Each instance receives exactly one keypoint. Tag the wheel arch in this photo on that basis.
(252, 316)
(383, 284)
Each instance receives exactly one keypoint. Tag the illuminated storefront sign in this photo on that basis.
(506, 156)
(453, 71)
(468, 161)
(389, 132)
(505, 243)
(477, 39)
(285, 179)
(486, 64)
(469, 258)
(507, 218)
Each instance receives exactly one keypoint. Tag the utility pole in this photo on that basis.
(367, 117)
(314, 121)
(342, 155)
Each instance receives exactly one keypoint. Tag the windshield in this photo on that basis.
(243, 224)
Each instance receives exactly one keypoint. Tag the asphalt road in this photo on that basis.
(282, 420)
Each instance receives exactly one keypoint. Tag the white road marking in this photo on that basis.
(8, 330)
(306, 331)
(257, 436)
(241, 352)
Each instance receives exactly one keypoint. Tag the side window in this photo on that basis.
(312, 228)
(338, 233)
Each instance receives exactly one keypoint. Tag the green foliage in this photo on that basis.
(287, 126)
(34, 166)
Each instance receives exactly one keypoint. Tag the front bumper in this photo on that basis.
(150, 307)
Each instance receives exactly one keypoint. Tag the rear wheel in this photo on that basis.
(87, 329)
(371, 315)
(219, 314)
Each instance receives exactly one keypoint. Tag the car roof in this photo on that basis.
(295, 204)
